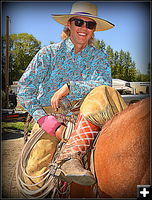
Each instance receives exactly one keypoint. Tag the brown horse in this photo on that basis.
(122, 155)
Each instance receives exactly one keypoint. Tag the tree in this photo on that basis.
(100, 45)
(121, 65)
(143, 77)
(22, 48)
(132, 72)
(110, 53)
(115, 67)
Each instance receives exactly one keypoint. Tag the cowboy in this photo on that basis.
(71, 68)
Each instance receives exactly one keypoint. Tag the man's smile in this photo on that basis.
(82, 34)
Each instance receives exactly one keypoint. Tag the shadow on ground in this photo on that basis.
(9, 133)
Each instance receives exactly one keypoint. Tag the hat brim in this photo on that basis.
(102, 24)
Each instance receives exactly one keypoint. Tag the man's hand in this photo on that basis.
(62, 92)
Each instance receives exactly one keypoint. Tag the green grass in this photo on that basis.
(15, 125)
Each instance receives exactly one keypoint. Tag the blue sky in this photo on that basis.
(131, 32)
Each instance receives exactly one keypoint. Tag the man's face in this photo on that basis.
(80, 35)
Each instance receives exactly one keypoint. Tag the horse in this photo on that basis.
(122, 155)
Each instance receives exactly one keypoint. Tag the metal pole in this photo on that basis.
(7, 62)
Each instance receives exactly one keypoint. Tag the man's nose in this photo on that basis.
(84, 25)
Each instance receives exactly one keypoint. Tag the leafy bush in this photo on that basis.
(16, 125)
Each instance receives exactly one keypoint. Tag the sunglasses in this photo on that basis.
(79, 22)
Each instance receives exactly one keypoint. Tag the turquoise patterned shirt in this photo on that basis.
(57, 64)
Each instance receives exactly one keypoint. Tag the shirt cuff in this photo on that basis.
(38, 114)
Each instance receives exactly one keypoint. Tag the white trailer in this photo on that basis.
(123, 87)
(140, 87)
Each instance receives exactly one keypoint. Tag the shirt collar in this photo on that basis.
(70, 46)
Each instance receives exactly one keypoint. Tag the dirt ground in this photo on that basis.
(10, 152)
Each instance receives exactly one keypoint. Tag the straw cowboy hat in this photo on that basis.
(84, 9)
